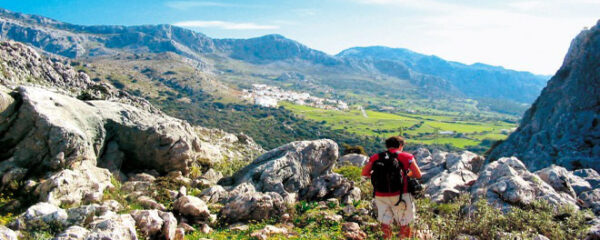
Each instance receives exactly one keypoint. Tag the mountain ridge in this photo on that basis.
(266, 57)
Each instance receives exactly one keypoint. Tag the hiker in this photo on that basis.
(389, 172)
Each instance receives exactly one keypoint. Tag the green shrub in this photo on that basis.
(448, 220)
(353, 173)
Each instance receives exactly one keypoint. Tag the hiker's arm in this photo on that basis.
(415, 171)
(366, 171)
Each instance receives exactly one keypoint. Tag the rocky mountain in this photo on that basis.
(367, 71)
(562, 125)
(59, 125)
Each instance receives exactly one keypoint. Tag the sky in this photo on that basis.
(527, 35)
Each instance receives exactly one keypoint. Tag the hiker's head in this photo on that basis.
(394, 142)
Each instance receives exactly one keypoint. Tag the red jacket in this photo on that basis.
(407, 161)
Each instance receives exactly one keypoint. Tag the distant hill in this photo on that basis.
(563, 125)
(477, 80)
(372, 72)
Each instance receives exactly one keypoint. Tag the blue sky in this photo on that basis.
(530, 35)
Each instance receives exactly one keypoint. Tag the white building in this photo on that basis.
(265, 101)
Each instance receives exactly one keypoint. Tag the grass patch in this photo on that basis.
(417, 128)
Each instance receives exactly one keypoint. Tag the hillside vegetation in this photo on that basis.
(417, 128)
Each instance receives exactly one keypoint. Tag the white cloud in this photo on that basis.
(183, 5)
(305, 12)
(525, 5)
(225, 25)
(529, 35)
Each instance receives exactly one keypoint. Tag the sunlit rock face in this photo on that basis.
(563, 125)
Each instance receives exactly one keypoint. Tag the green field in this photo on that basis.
(423, 129)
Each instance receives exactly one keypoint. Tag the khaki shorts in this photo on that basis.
(387, 212)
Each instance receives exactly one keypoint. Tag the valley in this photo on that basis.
(416, 128)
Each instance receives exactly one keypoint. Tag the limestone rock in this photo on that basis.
(218, 145)
(292, 169)
(148, 222)
(557, 177)
(41, 213)
(239, 227)
(212, 176)
(562, 125)
(148, 202)
(591, 199)
(11, 178)
(353, 159)
(289, 168)
(448, 185)
(169, 227)
(73, 233)
(507, 182)
(71, 186)
(446, 175)
(268, 231)
(7, 233)
(253, 206)
(213, 194)
(112, 226)
(589, 175)
(352, 231)
(76, 133)
(433, 164)
(594, 232)
(82, 214)
(191, 207)
(332, 185)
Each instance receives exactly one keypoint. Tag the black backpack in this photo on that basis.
(387, 173)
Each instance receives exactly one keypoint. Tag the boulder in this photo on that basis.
(73, 233)
(464, 160)
(579, 184)
(148, 222)
(83, 214)
(112, 226)
(290, 170)
(433, 164)
(7, 233)
(150, 203)
(507, 182)
(594, 232)
(71, 186)
(331, 186)
(591, 199)
(589, 175)
(12, 177)
(352, 231)
(559, 178)
(448, 185)
(77, 133)
(212, 176)
(191, 207)
(214, 194)
(354, 159)
(41, 214)
(268, 231)
(253, 206)
(169, 227)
